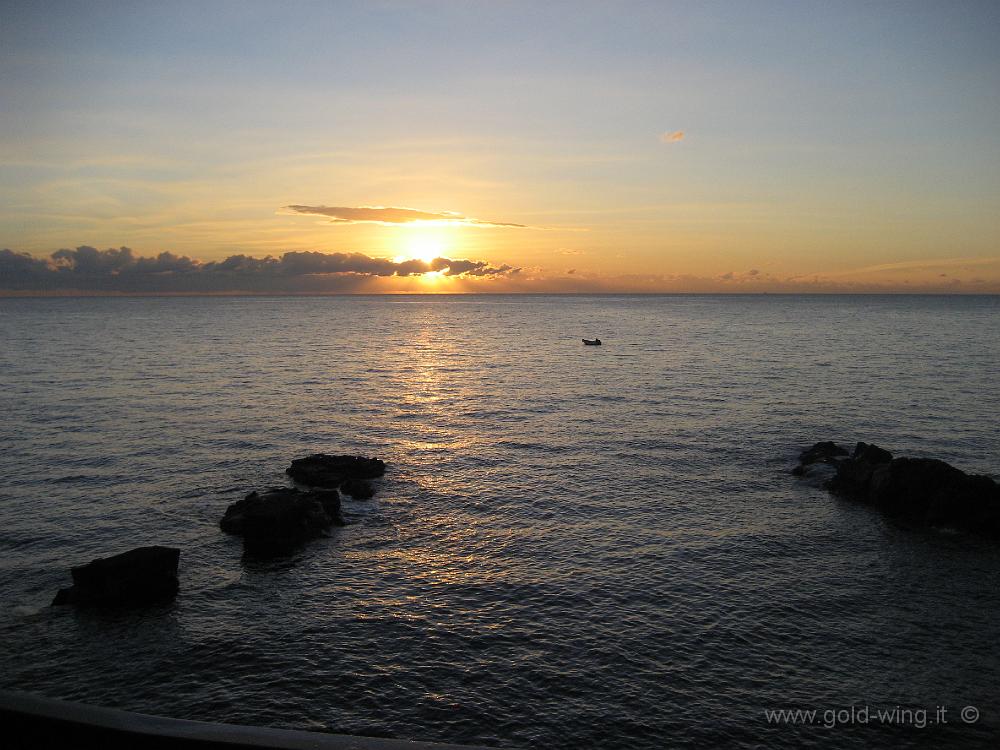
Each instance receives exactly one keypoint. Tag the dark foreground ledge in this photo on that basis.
(27, 721)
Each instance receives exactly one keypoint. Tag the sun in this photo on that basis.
(425, 247)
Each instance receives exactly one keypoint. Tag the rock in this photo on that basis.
(818, 464)
(923, 491)
(821, 452)
(854, 474)
(282, 517)
(322, 470)
(139, 576)
(359, 489)
(932, 492)
(871, 454)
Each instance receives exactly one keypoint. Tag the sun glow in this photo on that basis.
(424, 246)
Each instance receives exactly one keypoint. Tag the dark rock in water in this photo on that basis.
(821, 452)
(923, 491)
(359, 489)
(139, 576)
(929, 491)
(871, 454)
(282, 517)
(854, 474)
(321, 470)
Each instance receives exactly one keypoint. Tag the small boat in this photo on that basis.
(594, 342)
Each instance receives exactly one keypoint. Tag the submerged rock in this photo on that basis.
(322, 470)
(821, 452)
(282, 517)
(817, 464)
(816, 474)
(139, 576)
(924, 491)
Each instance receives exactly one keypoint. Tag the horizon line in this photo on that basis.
(12, 294)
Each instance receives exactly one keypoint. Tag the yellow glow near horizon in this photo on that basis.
(423, 245)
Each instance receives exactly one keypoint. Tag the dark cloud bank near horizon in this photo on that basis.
(87, 269)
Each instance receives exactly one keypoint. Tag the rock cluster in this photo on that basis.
(279, 518)
(924, 491)
(272, 521)
(283, 517)
(140, 576)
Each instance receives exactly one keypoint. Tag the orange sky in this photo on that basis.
(672, 147)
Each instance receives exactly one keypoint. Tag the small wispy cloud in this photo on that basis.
(926, 264)
(672, 136)
(393, 216)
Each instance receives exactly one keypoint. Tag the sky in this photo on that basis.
(499, 146)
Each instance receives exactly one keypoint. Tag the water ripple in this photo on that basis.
(572, 548)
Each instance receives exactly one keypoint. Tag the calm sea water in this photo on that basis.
(573, 546)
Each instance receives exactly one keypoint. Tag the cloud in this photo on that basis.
(753, 275)
(753, 281)
(388, 215)
(927, 264)
(119, 270)
(469, 268)
(87, 270)
(673, 136)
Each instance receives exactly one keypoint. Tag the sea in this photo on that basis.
(573, 546)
